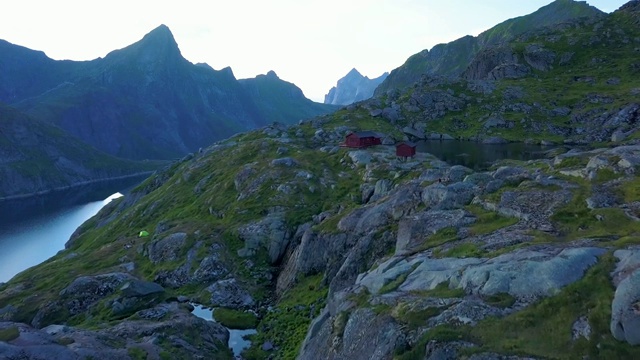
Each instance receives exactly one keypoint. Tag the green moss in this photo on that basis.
(488, 221)
(395, 283)
(544, 329)
(442, 290)
(137, 353)
(502, 300)
(605, 174)
(9, 333)
(630, 190)
(442, 333)
(572, 162)
(464, 251)
(441, 236)
(286, 326)
(414, 319)
(235, 319)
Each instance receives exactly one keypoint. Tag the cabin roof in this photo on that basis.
(408, 143)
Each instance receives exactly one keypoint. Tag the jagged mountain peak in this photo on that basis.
(160, 37)
(353, 87)
(272, 74)
(158, 44)
(353, 73)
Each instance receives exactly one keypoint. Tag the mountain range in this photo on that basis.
(146, 101)
(353, 87)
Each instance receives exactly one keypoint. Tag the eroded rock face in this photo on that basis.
(364, 336)
(526, 274)
(270, 232)
(625, 317)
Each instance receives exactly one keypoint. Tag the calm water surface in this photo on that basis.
(237, 343)
(34, 229)
(478, 156)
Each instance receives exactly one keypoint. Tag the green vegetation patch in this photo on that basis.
(544, 329)
(235, 319)
(137, 353)
(442, 333)
(287, 325)
(395, 283)
(488, 221)
(9, 333)
(415, 318)
(465, 250)
(502, 300)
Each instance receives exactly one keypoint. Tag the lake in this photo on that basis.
(34, 229)
(478, 156)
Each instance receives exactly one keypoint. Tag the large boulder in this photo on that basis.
(168, 248)
(625, 307)
(271, 232)
(230, 294)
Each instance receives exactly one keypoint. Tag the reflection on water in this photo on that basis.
(479, 156)
(237, 343)
(34, 229)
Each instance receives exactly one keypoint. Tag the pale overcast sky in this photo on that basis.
(311, 43)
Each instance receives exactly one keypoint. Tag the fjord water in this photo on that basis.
(34, 229)
(237, 342)
(478, 156)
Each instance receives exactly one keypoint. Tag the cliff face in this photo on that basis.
(143, 101)
(452, 59)
(353, 87)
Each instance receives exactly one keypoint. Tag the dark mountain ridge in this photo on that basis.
(145, 100)
(451, 59)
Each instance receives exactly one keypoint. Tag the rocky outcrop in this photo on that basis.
(171, 324)
(525, 274)
(625, 321)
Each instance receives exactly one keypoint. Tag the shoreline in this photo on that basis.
(79, 184)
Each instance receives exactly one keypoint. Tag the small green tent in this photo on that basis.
(143, 233)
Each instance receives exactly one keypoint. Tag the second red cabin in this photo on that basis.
(363, 139)
(406, 149)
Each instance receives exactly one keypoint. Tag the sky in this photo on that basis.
(310, 43)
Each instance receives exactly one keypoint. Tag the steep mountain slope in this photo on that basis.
(37, 157)
(143, 101)
(353, 87)
(452, 59)
(280, 100)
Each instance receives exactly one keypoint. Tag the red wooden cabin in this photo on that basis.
(406, 149)
(362, 139)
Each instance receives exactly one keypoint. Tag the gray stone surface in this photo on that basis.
(168, 248)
